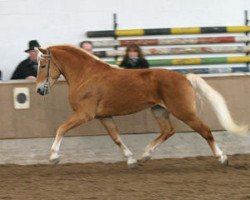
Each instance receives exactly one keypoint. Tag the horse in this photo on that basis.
(98, 90)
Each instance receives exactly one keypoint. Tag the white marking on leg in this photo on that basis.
(55, 149)
(56, 145)
(128, 154)
(219, 153)
(54, 156)
(148, 152)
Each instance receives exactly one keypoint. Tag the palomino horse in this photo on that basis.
(99, 90)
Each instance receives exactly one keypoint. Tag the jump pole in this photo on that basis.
(172, 41)
(178, 51)
(195, 61)
(169, 31)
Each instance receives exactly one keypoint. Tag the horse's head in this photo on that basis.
(48, 71)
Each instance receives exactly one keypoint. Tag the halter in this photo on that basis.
(48, 57)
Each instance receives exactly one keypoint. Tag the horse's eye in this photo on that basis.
(43, 66)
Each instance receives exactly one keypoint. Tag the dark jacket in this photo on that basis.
(135, 64)
(24, 69)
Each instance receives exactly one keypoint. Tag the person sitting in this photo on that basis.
(134, 58)
(87, 46)
(27, 69)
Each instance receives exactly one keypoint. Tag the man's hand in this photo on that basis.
(31, 78)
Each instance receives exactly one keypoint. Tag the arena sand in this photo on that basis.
(165, 179)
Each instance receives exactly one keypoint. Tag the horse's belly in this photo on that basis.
(114, 108)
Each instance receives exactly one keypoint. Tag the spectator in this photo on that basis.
(0, 75)
(134, 58)
(87, 46)
(27, 69)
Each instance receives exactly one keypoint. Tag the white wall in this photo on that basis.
(66, 21)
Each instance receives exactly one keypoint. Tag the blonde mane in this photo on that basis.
(80, 51)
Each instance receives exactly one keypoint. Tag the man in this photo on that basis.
(87, 46)
(27, 69)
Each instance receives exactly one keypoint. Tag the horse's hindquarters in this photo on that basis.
(177, 94)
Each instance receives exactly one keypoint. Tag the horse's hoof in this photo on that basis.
(224, 160)
(55, 161)
(132, 163)
(145, 158)
(226, 163)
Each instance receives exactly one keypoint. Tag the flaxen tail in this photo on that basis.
(218, 104)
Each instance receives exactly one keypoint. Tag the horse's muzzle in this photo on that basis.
(43, 89)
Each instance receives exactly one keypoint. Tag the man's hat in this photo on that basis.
(32, 45)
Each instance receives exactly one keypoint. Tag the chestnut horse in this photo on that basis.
(99, 90)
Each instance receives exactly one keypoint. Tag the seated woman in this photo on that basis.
(134, 58)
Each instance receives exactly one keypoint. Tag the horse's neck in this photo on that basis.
(82, 70)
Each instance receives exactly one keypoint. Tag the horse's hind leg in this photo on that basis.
(183, 106)
(162, 117)
(196, 124)
(112, 129)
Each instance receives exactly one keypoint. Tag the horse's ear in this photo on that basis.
(39, 49)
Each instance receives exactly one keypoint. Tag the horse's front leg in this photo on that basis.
(75, 120)
(112, 129)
